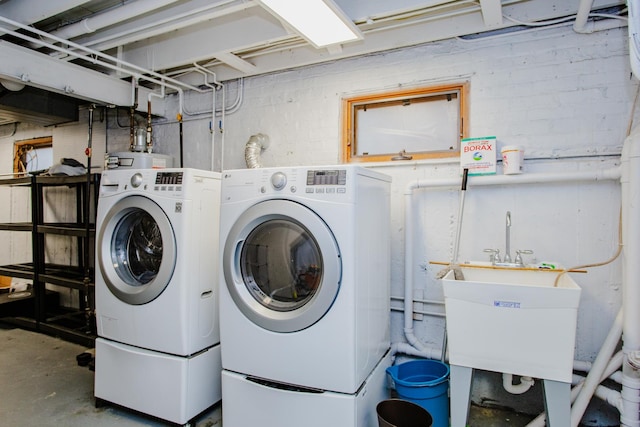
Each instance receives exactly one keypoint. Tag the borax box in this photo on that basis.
(478, 155)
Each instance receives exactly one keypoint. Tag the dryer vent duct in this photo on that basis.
(253, 148)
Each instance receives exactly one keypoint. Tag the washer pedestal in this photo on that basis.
(173, 388)
(557, 398)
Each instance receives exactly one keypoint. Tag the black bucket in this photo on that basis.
(402, 413)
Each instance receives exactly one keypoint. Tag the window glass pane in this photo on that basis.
(39, 159)
(413, 126)
(414, 123)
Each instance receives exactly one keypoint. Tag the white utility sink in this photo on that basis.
(512, 320)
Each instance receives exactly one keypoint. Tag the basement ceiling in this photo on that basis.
(92, 49)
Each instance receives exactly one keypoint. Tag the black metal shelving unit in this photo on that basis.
(43, 312)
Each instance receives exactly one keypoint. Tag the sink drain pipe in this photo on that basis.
(522, 387)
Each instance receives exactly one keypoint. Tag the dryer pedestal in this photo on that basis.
(250, 401)
(169, 387)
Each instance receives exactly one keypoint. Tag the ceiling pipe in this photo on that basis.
(114, 16)
(171, 23)
(117, 65)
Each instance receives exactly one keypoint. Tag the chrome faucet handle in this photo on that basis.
(519, 253)
(494, 255)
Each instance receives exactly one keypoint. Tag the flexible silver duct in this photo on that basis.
(253, 148)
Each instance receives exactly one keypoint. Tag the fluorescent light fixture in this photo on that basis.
(321, 22)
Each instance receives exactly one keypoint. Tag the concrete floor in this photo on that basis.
(41, 384)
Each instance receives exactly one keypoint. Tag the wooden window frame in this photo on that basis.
(348, 114)
(21, 147)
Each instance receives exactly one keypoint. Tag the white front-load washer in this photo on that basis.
(304, 285)
(158, 345)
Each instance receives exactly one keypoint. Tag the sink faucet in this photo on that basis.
(506, 261)
(507, 248)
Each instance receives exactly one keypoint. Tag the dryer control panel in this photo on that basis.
(327, 177)
(336, 183)
(326, 181)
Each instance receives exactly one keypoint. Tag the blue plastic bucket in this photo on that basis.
(426, 383)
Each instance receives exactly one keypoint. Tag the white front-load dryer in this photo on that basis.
(158, 345)
(304, 285)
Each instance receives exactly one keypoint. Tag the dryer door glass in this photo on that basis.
(136, 250)
(283, 264)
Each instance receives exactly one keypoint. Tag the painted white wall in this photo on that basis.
(566, 98)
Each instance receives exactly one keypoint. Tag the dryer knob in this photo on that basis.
(136, 180)
(278, 180)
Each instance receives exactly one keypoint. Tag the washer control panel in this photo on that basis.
(168, 182)
(169, 178)
(136, 180)
(278, 180)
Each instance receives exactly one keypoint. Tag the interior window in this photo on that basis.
(419, 123)
(33, 155)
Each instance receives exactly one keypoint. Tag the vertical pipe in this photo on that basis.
(408, 274)
(149, 129)
(630, 181)
(87, 229)
(631, 277)
(213, 130)
(584, 8)
(599, 365)
(134, 105)
(181, 141)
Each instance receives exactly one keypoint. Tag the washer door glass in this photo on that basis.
(282, 266)
(136, 250)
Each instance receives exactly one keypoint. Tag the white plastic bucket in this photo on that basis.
(512, 159)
